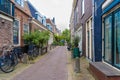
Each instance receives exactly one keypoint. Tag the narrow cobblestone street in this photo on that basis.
(51, 67)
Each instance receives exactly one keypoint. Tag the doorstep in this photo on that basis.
(102, 71)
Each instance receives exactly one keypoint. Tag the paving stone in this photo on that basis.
(52, 67)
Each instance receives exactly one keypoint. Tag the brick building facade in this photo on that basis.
(21, 22)
(6, 23)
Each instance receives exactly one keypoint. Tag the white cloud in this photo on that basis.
(60, 9)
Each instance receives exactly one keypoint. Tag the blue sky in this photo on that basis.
(60, 9)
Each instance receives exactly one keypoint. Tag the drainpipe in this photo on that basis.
(93, 13)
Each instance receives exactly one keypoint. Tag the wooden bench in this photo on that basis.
(102, 71)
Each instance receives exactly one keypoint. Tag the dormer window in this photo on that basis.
(20, 2)
(38, 16)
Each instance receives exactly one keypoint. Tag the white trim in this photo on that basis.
(6, 17)
(38, 25)
(89, 28)
(106, 3)
(83, 7)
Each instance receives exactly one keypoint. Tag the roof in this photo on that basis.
(33, 10)
(50, 21)
(24, 9)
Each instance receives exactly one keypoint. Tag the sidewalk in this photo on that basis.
(51, 67)
(18, 69)
(84, 73)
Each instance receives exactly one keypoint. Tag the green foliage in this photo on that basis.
(66, 35)
(76, 41)
(38, 38)
(60, 39)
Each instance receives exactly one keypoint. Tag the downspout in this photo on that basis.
(93, 13)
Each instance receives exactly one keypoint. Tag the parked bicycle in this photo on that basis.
(8, 59)
(33, 52)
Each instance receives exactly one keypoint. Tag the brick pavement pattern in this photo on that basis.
(51, 67)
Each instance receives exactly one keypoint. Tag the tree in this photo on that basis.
(66, 35)
(38, 38)
(58, 40)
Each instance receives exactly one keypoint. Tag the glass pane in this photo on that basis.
(5, 6)
(16, 32)
(22, 3)
(18, 1)
(117, 38)
(26, 28)
(108, 39)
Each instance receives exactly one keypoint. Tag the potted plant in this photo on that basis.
(76, 54)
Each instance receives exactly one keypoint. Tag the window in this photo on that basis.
(20, 2)
(26, 28)
(112, 38)
(16, 32)
(26, 31)
(38, 17)
(83, 7)
(76, 16)
(108, 39)
(117, 38)
(6, 6)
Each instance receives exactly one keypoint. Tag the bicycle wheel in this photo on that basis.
(14, 59)
(6, 65)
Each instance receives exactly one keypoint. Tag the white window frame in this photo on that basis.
(83, 7)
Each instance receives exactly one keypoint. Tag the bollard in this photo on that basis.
(25, 58)
(77, 65)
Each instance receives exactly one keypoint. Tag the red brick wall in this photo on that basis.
(6, 32)
(23, 18)
(36, 27)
